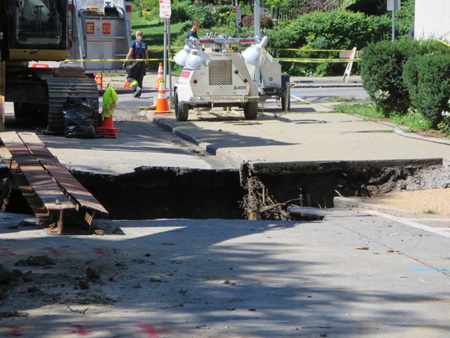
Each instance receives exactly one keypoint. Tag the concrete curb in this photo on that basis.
(400, 132)
(184, 133)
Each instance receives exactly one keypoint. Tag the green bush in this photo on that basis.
(321, 30)
(393, 74)
(179, 12)
(404, 18)
(381, 72)
(428, 80)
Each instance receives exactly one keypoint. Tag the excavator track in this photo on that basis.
(59, 89)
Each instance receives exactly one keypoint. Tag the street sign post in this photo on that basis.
(165, 11)
(238, 14)
(393, 5)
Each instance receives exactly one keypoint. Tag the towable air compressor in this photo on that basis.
(218, 77)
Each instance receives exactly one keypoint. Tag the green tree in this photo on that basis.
(281, 4)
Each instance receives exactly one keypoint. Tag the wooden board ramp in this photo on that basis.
(49, 188)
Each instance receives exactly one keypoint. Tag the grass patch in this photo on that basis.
(430, 212)
(154, 35)
(361, 109)
(414, 122)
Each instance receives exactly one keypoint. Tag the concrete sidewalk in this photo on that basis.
(308, 133)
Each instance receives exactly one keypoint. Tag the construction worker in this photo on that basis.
(136, 70)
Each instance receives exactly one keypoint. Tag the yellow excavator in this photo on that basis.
(34, 34)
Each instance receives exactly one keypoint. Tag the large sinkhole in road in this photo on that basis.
(256, 191)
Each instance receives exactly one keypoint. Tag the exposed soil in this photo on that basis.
(424, 203)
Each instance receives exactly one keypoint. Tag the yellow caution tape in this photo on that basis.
(310, 50)
(305, 60)
(287, 49)
(308, 60)
(172, 47)
(106, 60)
(445, 43)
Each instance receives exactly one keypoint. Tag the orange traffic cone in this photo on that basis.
(39, 65)
(162, 106)
(99, 80)
(126, 85)
(107, 129)
(160, 75)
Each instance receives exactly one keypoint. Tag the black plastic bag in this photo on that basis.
(78, 116)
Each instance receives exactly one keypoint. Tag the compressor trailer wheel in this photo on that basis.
(286, 100)
(181, 109)
(251, 110)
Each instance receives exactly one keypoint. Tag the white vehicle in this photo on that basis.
(100, 31)
(218, 78)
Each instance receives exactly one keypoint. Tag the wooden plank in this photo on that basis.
(42, 183)
(19, 180)
(69, 185)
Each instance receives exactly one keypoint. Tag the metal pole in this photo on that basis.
(257, 11)
(165, 50)
(393, 25)
(169, 62)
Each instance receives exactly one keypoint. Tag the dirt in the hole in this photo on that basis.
(425, 203)
(424, 194)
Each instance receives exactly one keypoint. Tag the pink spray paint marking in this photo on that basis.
(8, 252)
(15, 331)
(150, 330)
(99, 251)
(80, 329)
(52, 250)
